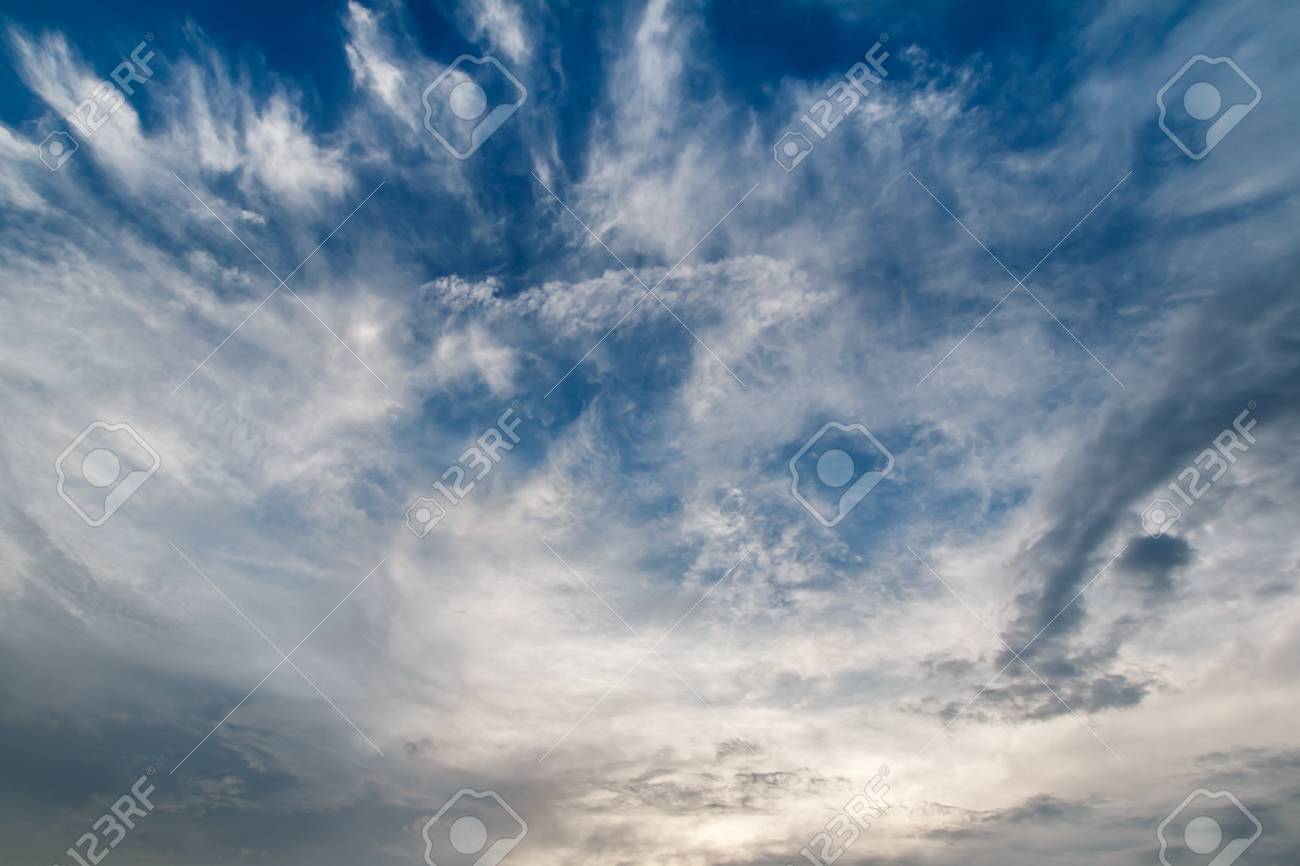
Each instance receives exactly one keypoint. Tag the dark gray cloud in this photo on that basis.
(1155, 561)
(1146, 439)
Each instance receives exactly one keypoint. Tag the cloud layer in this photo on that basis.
(629, 628)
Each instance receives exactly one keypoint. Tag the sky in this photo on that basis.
(661, 432)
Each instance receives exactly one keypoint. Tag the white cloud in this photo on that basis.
(286, 160)
(373, 67)
(473, 352)
(503, 23)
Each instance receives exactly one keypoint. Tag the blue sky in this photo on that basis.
(276, 263)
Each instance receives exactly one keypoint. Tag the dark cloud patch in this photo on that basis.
(62, 775)
(1153, 561)
(1039, 809)
(1250, 761)
(1018, 696)
(949, 669)
(682, 791)
(1030, 699)
(735, 748)
(1148, 437)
